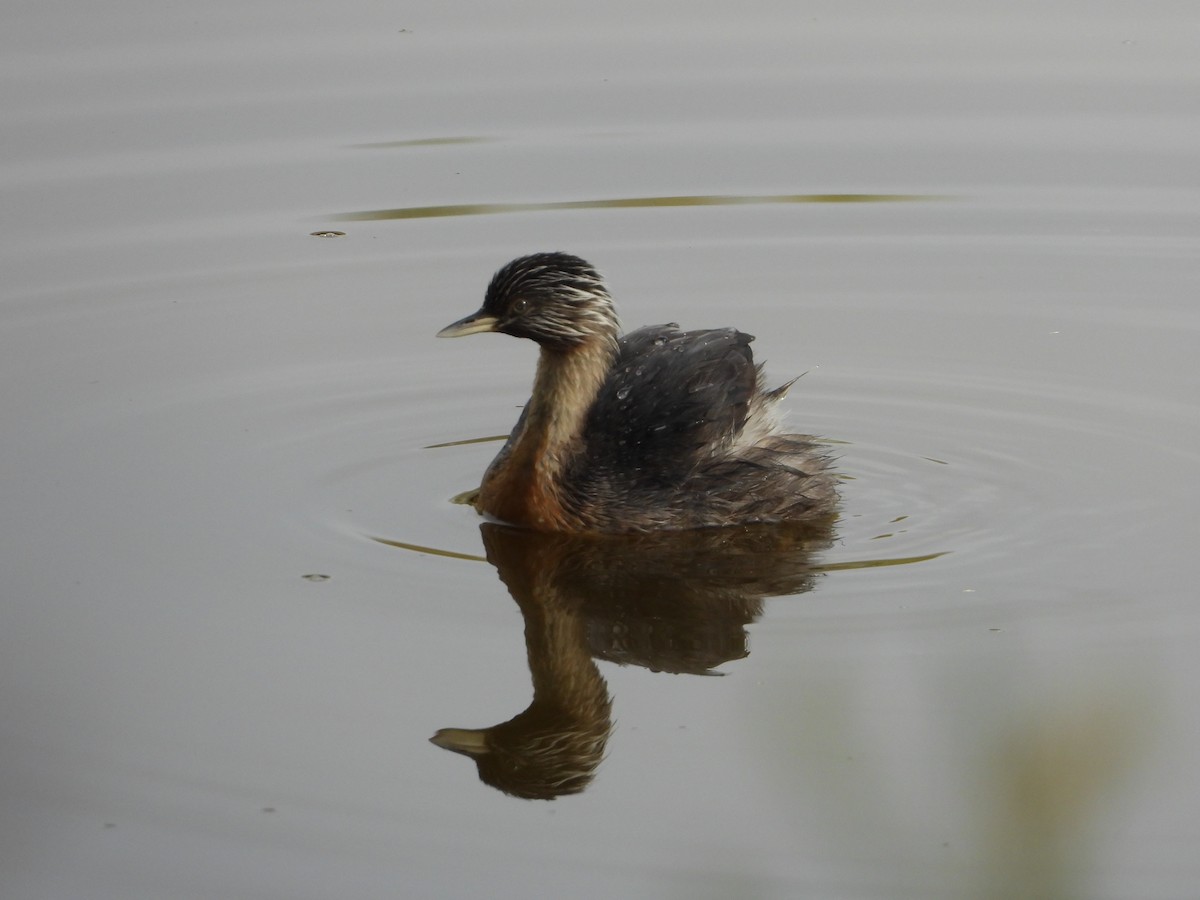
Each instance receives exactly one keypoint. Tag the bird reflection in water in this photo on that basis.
(668, 601)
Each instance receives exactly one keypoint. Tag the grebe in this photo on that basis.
(659, 429)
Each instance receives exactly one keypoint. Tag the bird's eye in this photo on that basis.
(520, 306)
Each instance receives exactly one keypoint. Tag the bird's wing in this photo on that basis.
(670, 399)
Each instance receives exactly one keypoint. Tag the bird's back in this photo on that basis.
(683, 435)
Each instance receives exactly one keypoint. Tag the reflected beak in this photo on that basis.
(467, 741)
(472, 324)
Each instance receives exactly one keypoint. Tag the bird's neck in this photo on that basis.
(564, 388)
(524, 485)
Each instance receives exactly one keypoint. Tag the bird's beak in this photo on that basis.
(467, 741)
(472, 324)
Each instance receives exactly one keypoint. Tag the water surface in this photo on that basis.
(207, 406)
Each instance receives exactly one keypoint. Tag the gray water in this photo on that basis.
(973, 229)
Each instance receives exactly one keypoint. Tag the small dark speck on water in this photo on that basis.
(316, 576)
(268, 809)
(328, 234)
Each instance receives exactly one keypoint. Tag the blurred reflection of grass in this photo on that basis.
(975, 780)
(486, 209)
(1054, 770)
